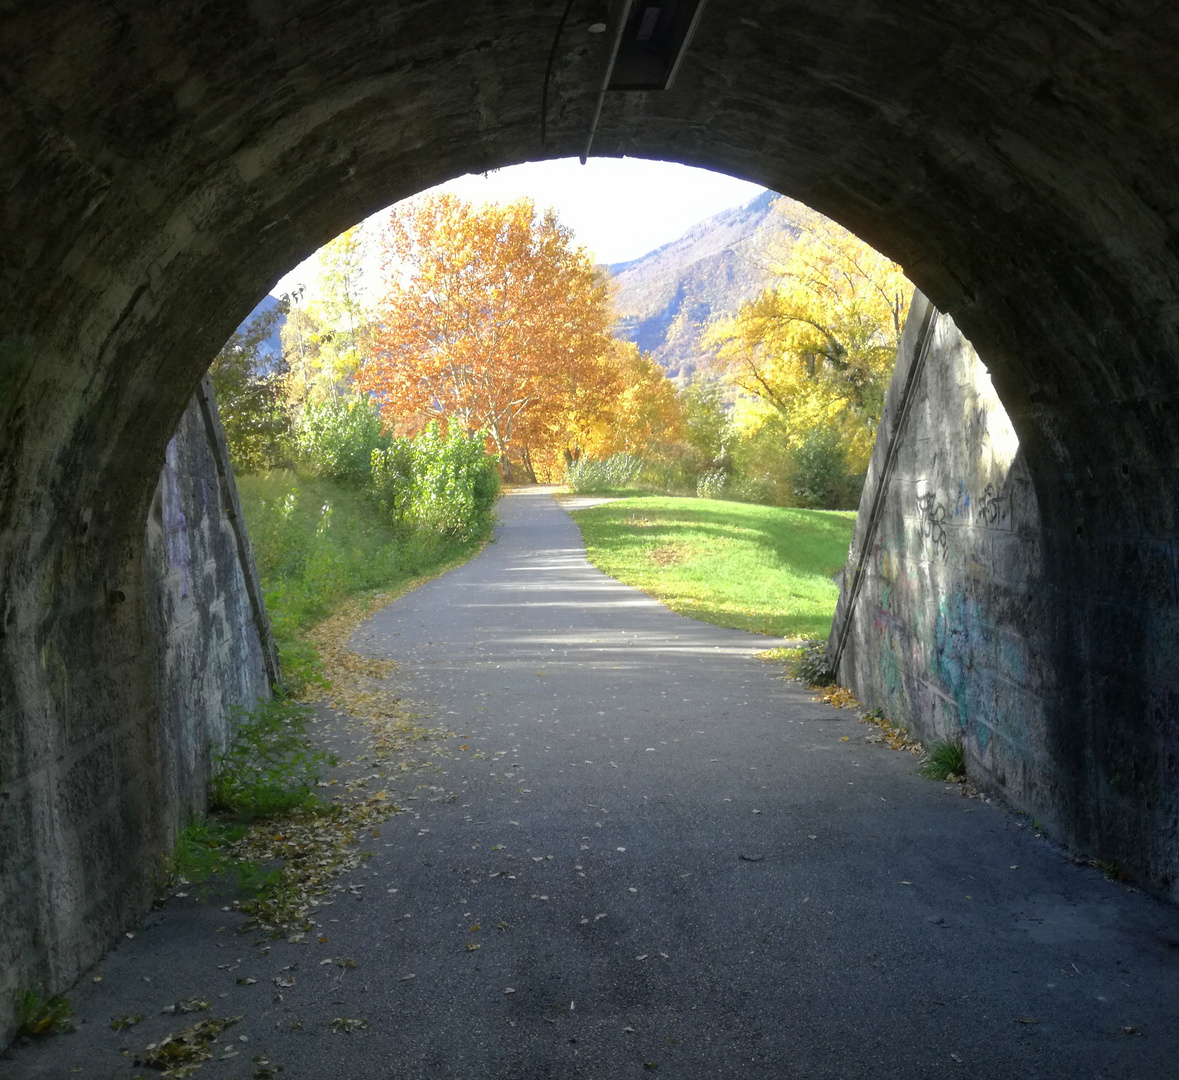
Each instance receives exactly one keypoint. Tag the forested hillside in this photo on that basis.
(666, 298)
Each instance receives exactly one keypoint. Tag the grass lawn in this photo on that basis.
(761, 568)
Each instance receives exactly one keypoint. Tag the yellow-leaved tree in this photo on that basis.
(491, 317)
(324, 335)
(630, 406)
(814, 353)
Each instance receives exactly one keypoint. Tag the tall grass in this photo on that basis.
(615, 473)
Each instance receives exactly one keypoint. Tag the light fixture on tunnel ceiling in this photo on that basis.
(647, 45)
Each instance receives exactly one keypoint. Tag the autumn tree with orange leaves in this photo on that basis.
(491, 317)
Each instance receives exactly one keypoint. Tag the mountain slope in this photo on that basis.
(666, 298)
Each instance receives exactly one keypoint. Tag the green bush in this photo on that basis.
(707, 419)
(820, 475)
(763, 467)
(317, 541)
(672, 469)
(758, 490)
(338, 529)
(615, 473)
(446, 484)
(811, 665)
(337, 439)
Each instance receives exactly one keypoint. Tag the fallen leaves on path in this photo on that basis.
(182, 1053)
(314, 848)
(192, 1004)
(890, 734)
(838, 697)
(360, 687)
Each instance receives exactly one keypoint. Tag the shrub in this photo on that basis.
(707, 418)
(811, 665)
(444, 483)
(615, 473)
(820, 473)
(763, 466)
(673, 469)
(758, 490)
(337, 439)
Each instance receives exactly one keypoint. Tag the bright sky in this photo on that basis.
(619, 208)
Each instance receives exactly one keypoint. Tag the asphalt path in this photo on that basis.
(646, 853)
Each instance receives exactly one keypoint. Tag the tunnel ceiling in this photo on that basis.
(166, 162)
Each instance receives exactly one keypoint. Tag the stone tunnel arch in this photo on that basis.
(165, 162)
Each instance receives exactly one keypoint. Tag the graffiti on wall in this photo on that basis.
(992, 507)
(933, 516)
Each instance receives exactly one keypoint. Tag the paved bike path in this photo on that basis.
(678, 865)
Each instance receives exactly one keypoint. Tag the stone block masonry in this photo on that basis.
(965, 615)
(946, 628)
(90, 807)
(166, 162)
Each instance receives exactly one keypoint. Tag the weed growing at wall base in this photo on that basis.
(811, 665)
(946, 761)
(268, 766)
(38, 1015)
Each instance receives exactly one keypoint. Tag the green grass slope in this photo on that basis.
(317, 544)
(765, 569)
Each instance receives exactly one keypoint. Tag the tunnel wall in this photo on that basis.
(950, 629)
(90, 802)
(166, 162)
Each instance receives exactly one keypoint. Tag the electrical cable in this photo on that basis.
(912, 379)
(548, 72)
